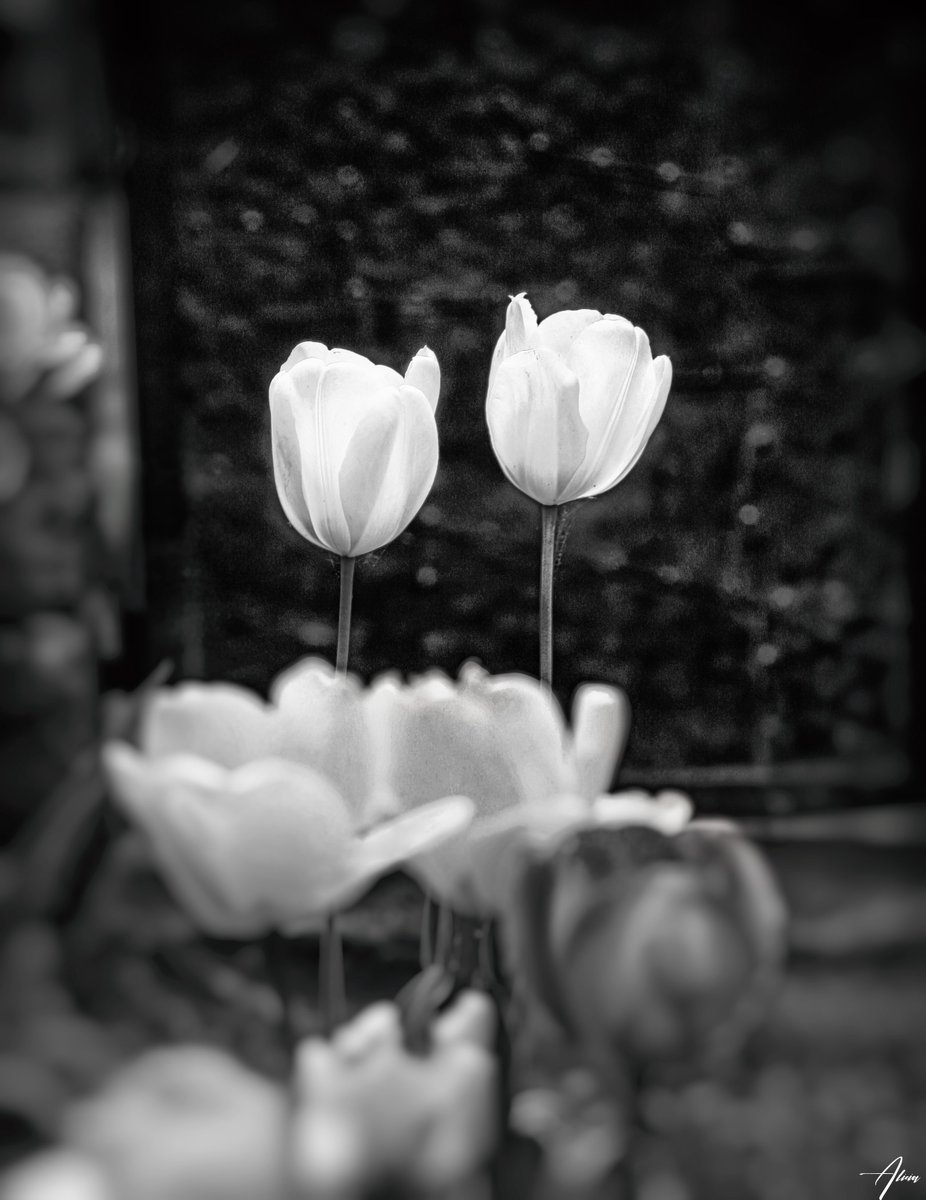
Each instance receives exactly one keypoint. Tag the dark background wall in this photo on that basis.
(740, 182)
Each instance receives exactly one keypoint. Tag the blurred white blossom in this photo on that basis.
(44, 350)
(425, 1121)
(265, 816)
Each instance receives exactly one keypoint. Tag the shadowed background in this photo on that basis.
(369, 176)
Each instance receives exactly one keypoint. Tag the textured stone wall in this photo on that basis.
(366, 176)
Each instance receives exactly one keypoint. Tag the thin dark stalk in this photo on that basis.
(444, 935)
(331, 976)
(426, 941)
(274, 947)
(549, 513)
(344, 610)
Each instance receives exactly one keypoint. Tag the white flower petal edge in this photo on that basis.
(600, 728)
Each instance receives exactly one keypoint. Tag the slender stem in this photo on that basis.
(347, 597)
(444, 935)
(331, 975)
(549, 513)
(426, 941)
(274, 946)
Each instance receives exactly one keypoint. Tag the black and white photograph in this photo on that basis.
(461, 608)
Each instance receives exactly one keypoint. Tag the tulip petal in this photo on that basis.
(142, 789)
(537, 432)
(499, 354)
(290, 841)
(389, 468)
(424, 373)
(287, 459)
(662, 381)
(415, 832)
(613, 361)
(363, 473)
(440, 742)
(319, 720)
(520, 324)
(220, 722)
(529, 723)
(325, 424)
(559, 330)
(600, 725)
(668, 812)
(306, 350)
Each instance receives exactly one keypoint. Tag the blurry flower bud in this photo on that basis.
(648, 948)
(425, 1121)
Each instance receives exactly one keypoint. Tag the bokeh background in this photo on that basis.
(378, 176)
(223, 180)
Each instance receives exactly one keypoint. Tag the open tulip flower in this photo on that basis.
(427, 1122)
(572, 401)
(354, 445)
(502, 741)
(264, 816)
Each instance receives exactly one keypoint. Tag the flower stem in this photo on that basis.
(331, 976)
(426, 941)
(344, 608)
(549, 514)
(274, 947)
(331, 960)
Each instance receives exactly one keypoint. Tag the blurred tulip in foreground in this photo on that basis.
(264, 816)
(42, 346)
(501, 741)
(354, 445)
(426, 1122)
(647, 948)
(184, 1123)
(57, 1175)
(572, 401)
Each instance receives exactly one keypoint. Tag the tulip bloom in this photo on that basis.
(182, 1123)
(429, 1122)
(262, 816)
(501, 741)
(572, 401)
(646, 948)
(354, 445)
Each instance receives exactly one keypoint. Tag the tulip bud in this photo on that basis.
(354, 445)
(428, 1121)
(572, 401)
(644, 947)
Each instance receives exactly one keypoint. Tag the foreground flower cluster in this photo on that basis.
(581, 932)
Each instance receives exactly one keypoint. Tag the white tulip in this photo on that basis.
(354, 445)
(572, 401)
(266, 816)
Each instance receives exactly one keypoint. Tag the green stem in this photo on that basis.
(344, 609)
(549, 514)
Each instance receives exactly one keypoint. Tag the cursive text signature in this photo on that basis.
(894, 1173)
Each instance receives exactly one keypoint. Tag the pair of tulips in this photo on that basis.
(266, 815)
(189, 1122)
(571, 403)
